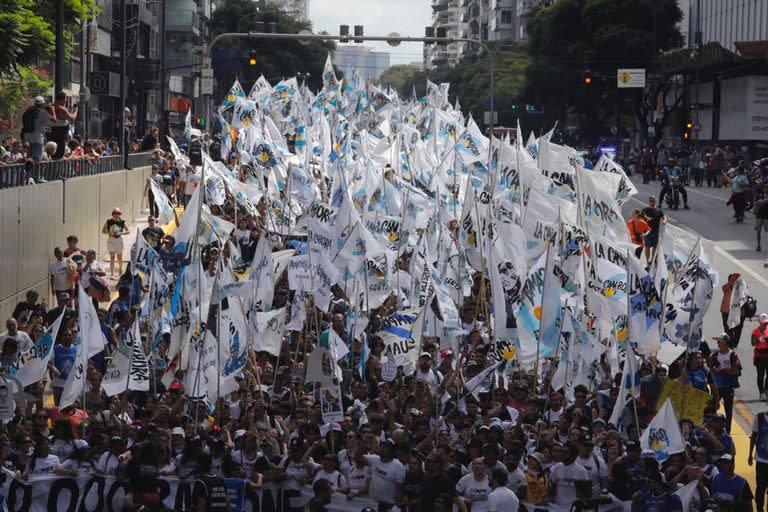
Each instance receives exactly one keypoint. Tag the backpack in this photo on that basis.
(195, 153)
(28, 121)
(749, 308)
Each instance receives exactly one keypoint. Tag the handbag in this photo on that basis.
(98, 289)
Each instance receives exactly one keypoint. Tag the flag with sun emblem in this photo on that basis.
(663, 436)
(645, 308)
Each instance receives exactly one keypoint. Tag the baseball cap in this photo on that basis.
(495, 423)
(726, 456)
(426, 354)
(81, 445)
(39, 100)
(64, 296)
(117, 211)
(239, 433)
(176, 386)
(446, 352)
(722, 336)
(116, 440)
(763, 318)
(648, 454)
(178, 431)
(718, 416)
(586, 439)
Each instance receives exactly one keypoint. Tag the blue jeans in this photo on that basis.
(35, 151)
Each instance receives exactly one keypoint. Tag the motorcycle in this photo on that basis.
(673, 193)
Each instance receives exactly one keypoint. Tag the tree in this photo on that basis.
(573, 37)
(398, 75)
(470, 80)
(28, 29)
(275, 59)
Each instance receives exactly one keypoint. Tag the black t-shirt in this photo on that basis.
(143, 477)
(432, 488)
(762, 210)
(213, 489)
(654, 216)
(54, 313)
(153, 236)
(23, 310)
(112, 222)
(317, 507)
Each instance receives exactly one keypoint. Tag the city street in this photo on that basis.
(732, 249)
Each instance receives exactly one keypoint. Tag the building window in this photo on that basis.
(506, 17)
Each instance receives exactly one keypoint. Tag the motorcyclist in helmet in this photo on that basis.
(669, 174)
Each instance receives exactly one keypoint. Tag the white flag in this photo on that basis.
(663, 435)
(269, 327)
(36, 360)
(738, 296)
(116, 377)
(339, 349)
(139, 370)
(630, 387)
(165, 210)
(481, 382)
(690, 496)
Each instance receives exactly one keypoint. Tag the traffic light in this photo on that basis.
(514, 107)
(687, 130)
(252, 59)
(200, 122)
(587, 78)
(344, 32)
(358, 33)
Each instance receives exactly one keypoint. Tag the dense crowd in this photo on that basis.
(470, 426)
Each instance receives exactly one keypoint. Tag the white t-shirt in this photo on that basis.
(473, 490)
(566, 478)
(345, 463)
(297, 470)
(61, 279)
(431, 378)
(337, 480)
(85, 466)
(93, 268)
(23, 341)
(503, 500)
(386, 478)
(552, 416)
(190, 179)
(516, 479)
(359, 477)
(595, 473)
(246, 463)
(108, 463)
(43, 466)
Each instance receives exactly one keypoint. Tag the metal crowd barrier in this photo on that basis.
(16, 175)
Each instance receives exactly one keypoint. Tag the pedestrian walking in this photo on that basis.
(726, 369)
(760, 354)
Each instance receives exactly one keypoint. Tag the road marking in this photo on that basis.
(705, 194)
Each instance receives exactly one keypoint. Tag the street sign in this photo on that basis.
(206, 85)
(487, 117)
(630, 78)
(533, 109)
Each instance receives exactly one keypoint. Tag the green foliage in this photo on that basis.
(16, 92)
(277, 59)
(572, 36)
(399, 75)
(28, 28)
(471, 77)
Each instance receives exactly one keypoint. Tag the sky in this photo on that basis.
(379, 18)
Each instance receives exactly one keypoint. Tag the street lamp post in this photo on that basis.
(389, 39)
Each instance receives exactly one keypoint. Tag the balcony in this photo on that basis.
(182, 20)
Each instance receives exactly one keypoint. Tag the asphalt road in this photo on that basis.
(732, 250)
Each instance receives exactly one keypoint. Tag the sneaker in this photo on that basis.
(762, 396)
(759, 248)
(687, 207)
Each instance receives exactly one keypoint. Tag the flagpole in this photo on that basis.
(196, 255)
(541, 309)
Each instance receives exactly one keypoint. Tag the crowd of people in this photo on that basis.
(449, 433)
(48, 133)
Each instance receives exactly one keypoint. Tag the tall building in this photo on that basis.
(368, 62)
(446, 14)
(502, 19)
(299, 9)
(725, 22)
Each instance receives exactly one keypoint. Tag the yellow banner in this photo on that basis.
(689, 402)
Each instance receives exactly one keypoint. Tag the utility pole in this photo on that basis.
(123, 72)
(163, 79)
(58, 84)
(697, 126)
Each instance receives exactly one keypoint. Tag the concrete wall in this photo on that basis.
(36, 218)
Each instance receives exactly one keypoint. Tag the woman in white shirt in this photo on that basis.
(328, 471)
(42, 461)
(359, 474)
(473, 487)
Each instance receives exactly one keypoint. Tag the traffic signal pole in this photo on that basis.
(392, 39)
